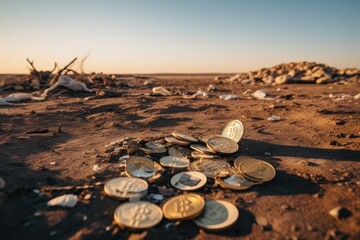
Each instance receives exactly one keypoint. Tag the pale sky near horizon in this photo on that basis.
(163, 36)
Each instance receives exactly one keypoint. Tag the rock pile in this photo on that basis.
(301, 72)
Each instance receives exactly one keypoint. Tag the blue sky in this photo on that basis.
(178, 36)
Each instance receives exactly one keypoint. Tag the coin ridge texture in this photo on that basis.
(222, 145)
(174, 140)
(184, 137)
(183, 207)
(218, 215)
(138, 215)
(234, 130)
(256, 169)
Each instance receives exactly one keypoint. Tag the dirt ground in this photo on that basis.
(315, 149)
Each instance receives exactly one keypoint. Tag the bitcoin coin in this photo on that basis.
(217, 216)
(153, 148)
(138, 215)
(174, 162)
(258, 170)
(201, 149)
(234, 130)
(211, 168)
(205, 137)
(222, 145)
(196, 154)
(126, 187)
(236, 182)
(178, 151)
(176, 141)
(187, 181)
(184, 137)
(183, 207)
(140, 167)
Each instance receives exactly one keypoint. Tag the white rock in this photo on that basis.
(247, 81)
(4, 103)
(161, 91)
(274, 118)
(67, 200)
(200, 94)
(148, 83)
(228, 96)
(16, 97)
(259, 94)
(96, 168)
(357, 96)
(124, 158)
(282, 79)
(68, 82)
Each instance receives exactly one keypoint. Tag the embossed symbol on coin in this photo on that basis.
(182, 206)
(138, 215)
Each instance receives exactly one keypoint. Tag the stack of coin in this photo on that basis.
(183, 207)
(126, 188)
(180, 139)
(217, 216)
(211, 168)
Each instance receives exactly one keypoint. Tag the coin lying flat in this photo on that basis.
(140, 167)
(178, 151)
(183, 207)
(211, 168)
(138, 215)
(205, 137)
(174, 162)
(218, 215)
(234, 130)
(176, 141)
(153, 148)
(201, 149)
(126, 187)
(187, 181)
(236, 182)
(258, 170)
(196, 154)
(184, 137)
(222, 145)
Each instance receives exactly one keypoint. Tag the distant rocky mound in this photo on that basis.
(301, 72)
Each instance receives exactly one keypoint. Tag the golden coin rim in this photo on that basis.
(226, 185)
(193, 168)
(176, 141)
(209, 145)
(184, 137)
(255, 178)
(196, 213)
(154, 223)
(202, 155)
(243, 132)
(203, 138)
(197, 148)
(219, 227)
(189, 188)
(162, 163)
(145, 159)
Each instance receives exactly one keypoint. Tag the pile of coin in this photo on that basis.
(194, 160)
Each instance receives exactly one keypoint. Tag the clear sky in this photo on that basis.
(153, 36)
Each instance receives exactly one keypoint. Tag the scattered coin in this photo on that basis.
(217, 216)
(178, 151)
(176, 141)
(257, 170)
(126, 187)
(196, 154)
(211, 168)
(222, 145)
(138, 215)
(201, 149)
(234, 130)
(183, 207)
(174, 162)
(140, 167)
(205, 137)
(188, 180)
(236, 182)
(184, 137)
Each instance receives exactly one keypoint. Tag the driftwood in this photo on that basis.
(43, 76)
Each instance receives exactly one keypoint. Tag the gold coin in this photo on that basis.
(183, 207)
(217, 216)
(184, 137)
(222, 145)
(234, 130)
(126, 187)
(241, 159)
(140, 167)
(138, 215)
(153, 148)
(201, 149)
(257, 169)
(178, 151)
(196, 154)
(176, 141)
(211, 168)
(174, 162)
(236, 182)
(205, 137)
(188, 181)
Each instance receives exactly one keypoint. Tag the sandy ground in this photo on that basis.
(317, 160)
